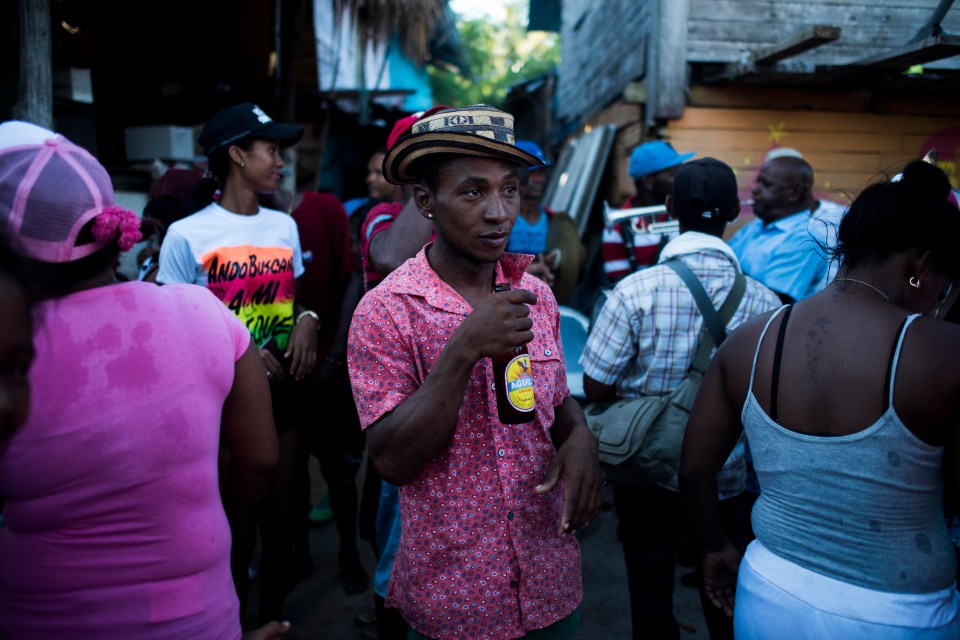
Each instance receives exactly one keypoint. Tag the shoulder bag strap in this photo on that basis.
(626, 232)
(714, 322)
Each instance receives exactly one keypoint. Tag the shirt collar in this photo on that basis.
(789, 222)
(422, 281)
(694, 242)
(512, 266)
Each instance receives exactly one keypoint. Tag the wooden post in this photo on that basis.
(36, 76)
(667, 72)
(288, 22)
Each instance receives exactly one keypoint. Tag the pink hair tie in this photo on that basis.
(117, 222)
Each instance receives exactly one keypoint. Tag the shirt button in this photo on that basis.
(546, 352)
(510, 515)
(514, 584)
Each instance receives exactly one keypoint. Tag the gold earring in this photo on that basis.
(914, 282)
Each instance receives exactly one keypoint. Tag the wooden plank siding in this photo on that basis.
(727, 30)
(847, 150)
(851, 136)
(606, 43)
(819, 100)
(604, 48)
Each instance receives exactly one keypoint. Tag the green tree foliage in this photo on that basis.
(500, 55)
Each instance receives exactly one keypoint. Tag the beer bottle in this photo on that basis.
(513, 381)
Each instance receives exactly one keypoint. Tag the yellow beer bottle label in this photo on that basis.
(519, 383)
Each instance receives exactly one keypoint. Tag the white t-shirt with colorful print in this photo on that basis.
(250, 262)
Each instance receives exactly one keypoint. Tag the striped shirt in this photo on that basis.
(646, 246)
(379, 218)
(646, 336)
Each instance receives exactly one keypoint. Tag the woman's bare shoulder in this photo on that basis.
(743, 340)
(928, 379)
(935, 343)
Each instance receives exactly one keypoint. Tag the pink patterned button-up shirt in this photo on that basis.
(479, 555)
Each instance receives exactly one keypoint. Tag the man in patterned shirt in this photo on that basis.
(643, 343)
(487, 508)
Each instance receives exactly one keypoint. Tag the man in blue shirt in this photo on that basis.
(777, 249)
(529, 234)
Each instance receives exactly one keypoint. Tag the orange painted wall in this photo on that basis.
(847, 150)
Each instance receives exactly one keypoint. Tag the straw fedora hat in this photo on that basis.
(478, 130)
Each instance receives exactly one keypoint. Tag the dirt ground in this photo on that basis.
(318, 608)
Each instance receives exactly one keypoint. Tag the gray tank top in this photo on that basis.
(865, 508)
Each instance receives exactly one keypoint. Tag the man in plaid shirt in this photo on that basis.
(643, 343)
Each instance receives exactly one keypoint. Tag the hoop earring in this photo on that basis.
(914, 282)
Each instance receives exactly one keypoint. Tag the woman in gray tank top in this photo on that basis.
(850, 399)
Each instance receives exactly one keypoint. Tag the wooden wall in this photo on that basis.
(604, 48)
(606, 42)
(847, 150)
(726, 30)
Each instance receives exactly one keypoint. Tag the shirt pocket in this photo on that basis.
(547, 368)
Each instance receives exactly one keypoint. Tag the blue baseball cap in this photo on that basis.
(651, 157)
(534, 149)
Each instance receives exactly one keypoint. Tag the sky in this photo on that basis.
(476, 8)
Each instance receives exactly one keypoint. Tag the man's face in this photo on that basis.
(377, 187)
(474, 207)
(774, 192)
(661, 183)
(536, 184)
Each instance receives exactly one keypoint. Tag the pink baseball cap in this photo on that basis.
(49, 190)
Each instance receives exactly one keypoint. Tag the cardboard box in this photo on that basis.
(164, 142)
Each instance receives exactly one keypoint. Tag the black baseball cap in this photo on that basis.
(241, 121)
(706, 188)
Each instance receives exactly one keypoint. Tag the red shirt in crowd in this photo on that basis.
(379, 218)
(327, 261)
(646, 246)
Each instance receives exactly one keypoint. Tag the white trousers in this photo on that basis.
(779, 599)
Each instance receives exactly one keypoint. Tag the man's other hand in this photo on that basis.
(577, 463)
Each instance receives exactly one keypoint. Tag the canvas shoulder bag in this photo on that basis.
(639, 438)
